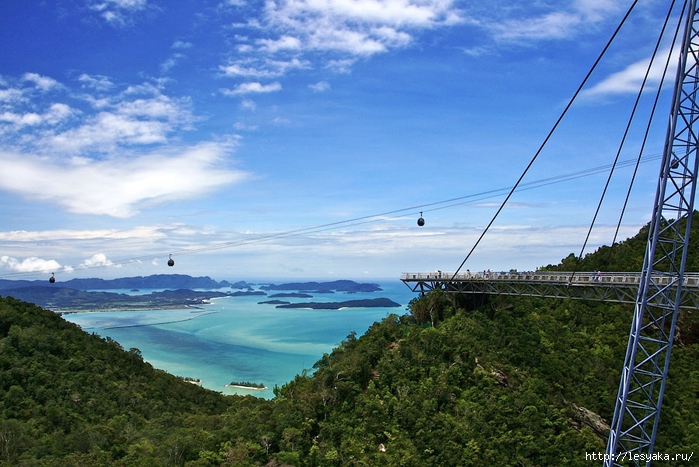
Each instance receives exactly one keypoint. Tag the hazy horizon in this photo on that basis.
(294, 139)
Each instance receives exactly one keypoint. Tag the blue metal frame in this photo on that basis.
(637, 412)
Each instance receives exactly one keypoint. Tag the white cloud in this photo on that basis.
(140, 115)
(266, 68)
(248, 104)
(23, 236)
(141, 121)
(595, 10)
(240, 126)
(118, 187)
(28, 119)
(552, 21)
(354, 27)
(42, 82)
(425, 13)
(97, 82)
(94, 162)
(283, 43)
(107, 129)
(97, 260)
(171, 62)
(320, 86)
(629, 80)
(341, 66)
(117, 12)
(32, 264)
(11, 95)
(181, 45)
(54, 115)
(555, 25)
(252, 88)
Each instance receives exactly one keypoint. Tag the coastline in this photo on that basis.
(236, 386)
(68, 311)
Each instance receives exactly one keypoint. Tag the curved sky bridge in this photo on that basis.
(619, 287)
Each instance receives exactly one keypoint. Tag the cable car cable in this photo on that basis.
(433, 206)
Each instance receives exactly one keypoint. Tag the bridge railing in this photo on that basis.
(579, 278)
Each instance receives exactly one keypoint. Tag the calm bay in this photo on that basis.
(239, 339)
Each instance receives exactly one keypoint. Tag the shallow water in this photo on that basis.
(237, 339)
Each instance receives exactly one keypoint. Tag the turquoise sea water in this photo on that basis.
(237, 339)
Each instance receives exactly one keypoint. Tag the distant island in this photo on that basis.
(273, 302)
(77, 295)
(156, 281)
(246, 385)
(368, 303)
(246, 293)
(291, 295)
(346, 286)
(62, 299)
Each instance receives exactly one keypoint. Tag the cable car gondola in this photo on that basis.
(52, 279)
(171, 262)
(421, 221)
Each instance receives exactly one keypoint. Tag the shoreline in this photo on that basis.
(245, 387)
(68, 311)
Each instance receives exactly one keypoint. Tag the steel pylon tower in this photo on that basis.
(637, 412)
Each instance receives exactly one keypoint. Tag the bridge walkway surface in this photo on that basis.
(619, 287)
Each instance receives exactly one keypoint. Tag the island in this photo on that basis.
(368, 303)
(291, 295)
(246, 385)
(346, 286)
(79, 295)
(273, 302)
(246, 293)
(65, 300)
(155, 281)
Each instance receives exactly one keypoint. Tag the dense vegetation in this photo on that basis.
(515, 382)
(628, 255)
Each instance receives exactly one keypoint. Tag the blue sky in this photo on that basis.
(302, 138)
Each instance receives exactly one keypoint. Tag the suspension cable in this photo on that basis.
(548, 136)
(632, 115)
(645, 136)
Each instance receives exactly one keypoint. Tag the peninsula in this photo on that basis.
(246, 385)
(62, 299)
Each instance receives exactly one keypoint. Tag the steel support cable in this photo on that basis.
(645, 136)
(548, 136)
(651, 318)
(630, 121)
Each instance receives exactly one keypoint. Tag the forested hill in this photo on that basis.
(627, 255)
(523, 382)
(71, 398)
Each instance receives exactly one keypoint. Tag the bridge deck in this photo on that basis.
(621, 287)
